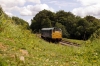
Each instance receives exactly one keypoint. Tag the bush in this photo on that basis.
(95, 35)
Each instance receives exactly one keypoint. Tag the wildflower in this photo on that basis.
(22, 59)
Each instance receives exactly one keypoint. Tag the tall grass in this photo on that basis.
(19, 47)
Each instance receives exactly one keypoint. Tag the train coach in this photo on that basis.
(54, 34)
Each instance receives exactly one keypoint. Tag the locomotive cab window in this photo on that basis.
(56, 29)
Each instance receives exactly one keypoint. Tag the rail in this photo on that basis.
(63, 42)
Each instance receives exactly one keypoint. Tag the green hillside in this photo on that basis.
(19, 47)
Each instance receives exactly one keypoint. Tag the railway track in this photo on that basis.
(63, 42)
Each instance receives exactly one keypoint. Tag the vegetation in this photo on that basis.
(19, 21)
(95, 35)
(72, 26)
(19, 47)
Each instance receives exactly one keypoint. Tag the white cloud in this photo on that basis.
(12, 3)
(26, 10)
(22, 8)
(10, 14)
(35, 1)
(39, 7)
(61, 3)
(31, 10)
(14, 8)
(89, 7)
(89, 2)
(29, 21)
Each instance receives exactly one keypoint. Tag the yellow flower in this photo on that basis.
(94, 61)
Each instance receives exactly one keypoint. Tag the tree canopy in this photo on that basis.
(72, 26)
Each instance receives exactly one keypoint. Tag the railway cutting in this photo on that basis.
(63, 42)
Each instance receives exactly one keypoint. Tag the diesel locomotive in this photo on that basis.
(54, 34)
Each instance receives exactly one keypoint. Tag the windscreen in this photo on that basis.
(57, 29)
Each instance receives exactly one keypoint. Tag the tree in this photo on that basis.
(34, 26)
(90, 18)
(1, 11)
(83, 28)
(67, 19)
(46, 23)
(42, 19)
(64, 31)
(72, 26)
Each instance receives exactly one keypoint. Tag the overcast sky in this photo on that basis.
(27, 9)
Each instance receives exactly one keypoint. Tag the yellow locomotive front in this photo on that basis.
(57, 34)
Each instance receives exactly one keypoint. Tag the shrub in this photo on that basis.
(95, 35)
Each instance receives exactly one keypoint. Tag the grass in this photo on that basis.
(75, 41)
(19, 47)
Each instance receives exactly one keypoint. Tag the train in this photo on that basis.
(51, 34)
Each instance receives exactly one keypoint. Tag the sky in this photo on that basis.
(27, 9)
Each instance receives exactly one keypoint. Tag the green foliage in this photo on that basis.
(42, 19)
(20, 43)
(3, 62)
(64, 31)
(82, 29)
(19, 47)
(72, 26)
(1, 11)
(19, 21)
(4, 19)
(46, 23)
(90, 18)
(95, 35)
